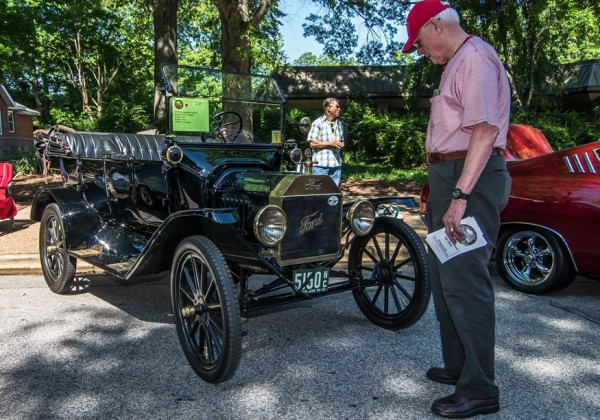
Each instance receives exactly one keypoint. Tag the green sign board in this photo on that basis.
(189, 115)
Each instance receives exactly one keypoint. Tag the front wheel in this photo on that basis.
(57, 266)
(207, 315)
(533, 261)
(391, 264)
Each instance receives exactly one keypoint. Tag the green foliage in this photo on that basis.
(68, 118)
(532, 38)
(391, 139)
(364, 31)
(563, 129)
(121, 116)
(310, 59)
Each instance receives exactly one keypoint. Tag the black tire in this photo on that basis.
(58, 266)
(206, 312)
(392, 263)
(533, 261)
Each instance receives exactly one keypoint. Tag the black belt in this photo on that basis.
(461, 154)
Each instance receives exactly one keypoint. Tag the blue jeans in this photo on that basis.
(335, 172)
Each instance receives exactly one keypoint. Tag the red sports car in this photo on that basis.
(551, 224)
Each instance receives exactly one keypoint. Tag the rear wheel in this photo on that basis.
(391, 262)
(57, 266)
(533, 261)
(206, 312)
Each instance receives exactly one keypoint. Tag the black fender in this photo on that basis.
(81, 220)
(218, 225)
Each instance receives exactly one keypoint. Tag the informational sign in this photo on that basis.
(275, 136)
(189, 115)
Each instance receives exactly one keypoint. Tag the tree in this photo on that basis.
(68, 54)
(533, 37)
(164, 16)
(336, 27)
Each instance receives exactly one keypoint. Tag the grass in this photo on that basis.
(354, 170)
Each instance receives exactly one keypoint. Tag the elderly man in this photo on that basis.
(468, 177)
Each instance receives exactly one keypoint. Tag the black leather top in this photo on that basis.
(116, 145)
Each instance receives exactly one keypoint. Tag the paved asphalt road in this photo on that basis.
(112, 352)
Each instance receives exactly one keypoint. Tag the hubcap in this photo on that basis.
(528, 258)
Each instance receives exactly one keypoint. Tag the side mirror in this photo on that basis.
(304, 125)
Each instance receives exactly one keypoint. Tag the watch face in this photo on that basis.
(458, 194)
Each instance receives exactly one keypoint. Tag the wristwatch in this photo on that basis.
(457, 194)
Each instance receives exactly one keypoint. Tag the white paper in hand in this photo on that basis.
(444, 249)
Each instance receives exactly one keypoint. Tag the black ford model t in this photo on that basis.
(228, 204)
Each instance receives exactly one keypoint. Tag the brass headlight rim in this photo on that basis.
(256, 224)
(353, 209)
(168, 155)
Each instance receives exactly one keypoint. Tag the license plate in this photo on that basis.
(312, 280)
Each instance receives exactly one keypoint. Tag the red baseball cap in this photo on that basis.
(418, 16)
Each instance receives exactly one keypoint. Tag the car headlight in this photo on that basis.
(361, 217)
(174, 155)
(270, 225)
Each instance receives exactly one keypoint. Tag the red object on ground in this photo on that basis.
(524, 142)
(8, 208)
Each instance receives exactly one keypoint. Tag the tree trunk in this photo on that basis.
(236, 21)
(502, 35)
(164, 14)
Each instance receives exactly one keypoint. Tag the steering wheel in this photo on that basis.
(221, 128)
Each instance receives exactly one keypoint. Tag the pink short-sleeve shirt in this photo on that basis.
(474, 89)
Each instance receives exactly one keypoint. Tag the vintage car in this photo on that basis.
(228, 204)
(550, 224)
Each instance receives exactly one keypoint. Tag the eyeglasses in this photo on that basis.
(417, 42)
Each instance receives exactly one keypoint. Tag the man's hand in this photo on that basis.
(337, 144)
(452, 218)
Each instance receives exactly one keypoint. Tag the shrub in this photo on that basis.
(394, 139)
(25, 162)
(69, 119)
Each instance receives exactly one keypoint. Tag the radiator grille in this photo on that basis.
(314, 227)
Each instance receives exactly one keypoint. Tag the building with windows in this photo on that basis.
(16, 124)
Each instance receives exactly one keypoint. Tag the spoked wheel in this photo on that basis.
(391, 262)
(206, 312)
(57, 266)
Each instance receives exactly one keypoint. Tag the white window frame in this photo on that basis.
(1, 122)
(11, 121)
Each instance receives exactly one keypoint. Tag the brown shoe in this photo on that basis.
(457, 407)
(441, 375)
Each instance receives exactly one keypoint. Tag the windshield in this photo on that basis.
(212, 106)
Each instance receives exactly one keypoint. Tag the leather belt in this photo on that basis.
(461, 154)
